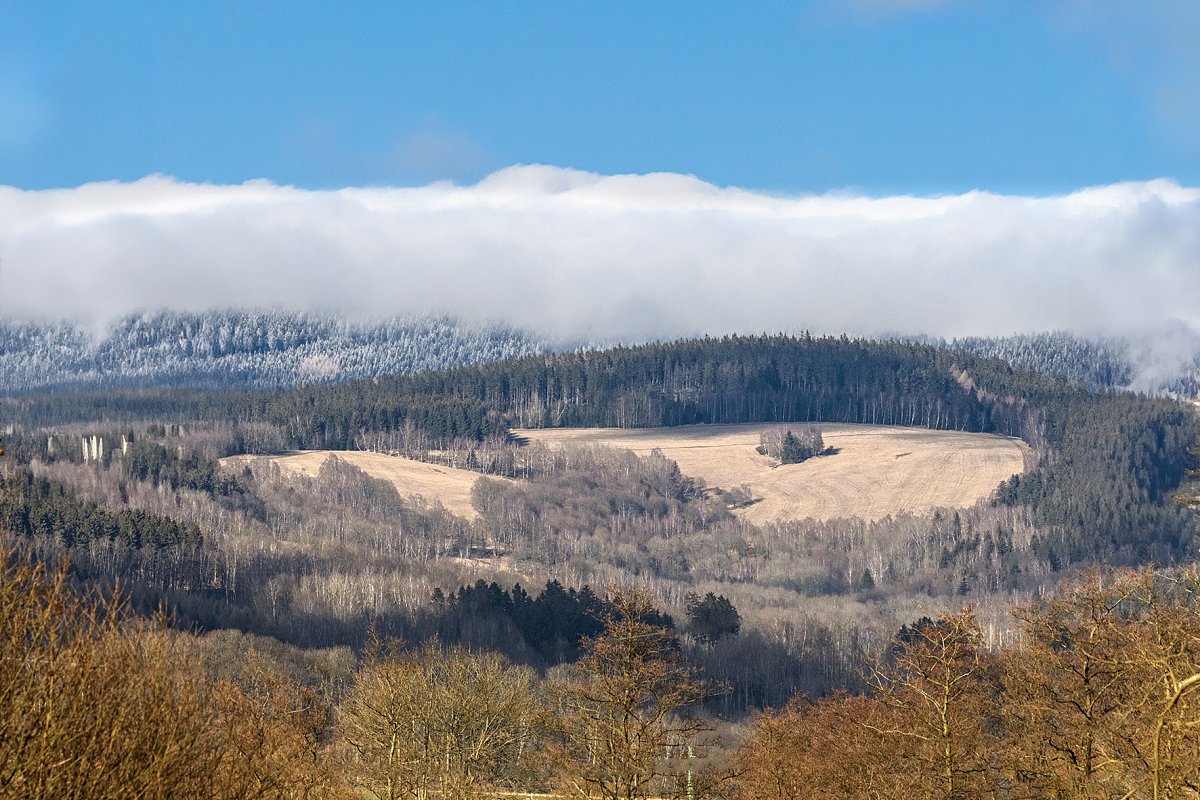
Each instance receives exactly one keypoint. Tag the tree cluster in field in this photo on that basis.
(788, 447)
(1095, 697)
(245, 349)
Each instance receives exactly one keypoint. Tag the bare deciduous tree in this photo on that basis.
(445, 721)
(822, 750)
(272, 732)
(90, 708)
(942, 687)
(623, 705)
(1067, 689)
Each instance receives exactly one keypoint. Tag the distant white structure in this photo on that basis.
(93, 448)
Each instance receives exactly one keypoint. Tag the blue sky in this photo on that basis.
(877, 96)
(608, 170)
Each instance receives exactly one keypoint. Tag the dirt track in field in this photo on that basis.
(876, 471)
(412, 479)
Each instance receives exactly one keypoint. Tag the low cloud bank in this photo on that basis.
(580, 255)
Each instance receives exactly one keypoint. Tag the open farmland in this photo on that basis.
(412, 479)
(875, 471)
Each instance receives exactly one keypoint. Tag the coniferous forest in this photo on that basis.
(320, 635)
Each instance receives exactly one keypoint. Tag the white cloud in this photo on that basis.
(624, 256)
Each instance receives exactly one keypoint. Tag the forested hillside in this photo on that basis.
(1106, 461)
(274, 349)
(1169, 361)
(316, 561)
(248, 349)
(734, 379)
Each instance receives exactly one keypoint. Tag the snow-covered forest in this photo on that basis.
(278, 349)
(1164, 361)
(251, 349)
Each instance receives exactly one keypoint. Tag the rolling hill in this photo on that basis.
(875, 471)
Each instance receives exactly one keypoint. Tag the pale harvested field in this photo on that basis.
(412, 479)
(877, 471)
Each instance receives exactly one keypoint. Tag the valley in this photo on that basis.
(499, 509)
(574, 401)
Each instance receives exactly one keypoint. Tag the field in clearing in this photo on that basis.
(412, 479)
(877, 471)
